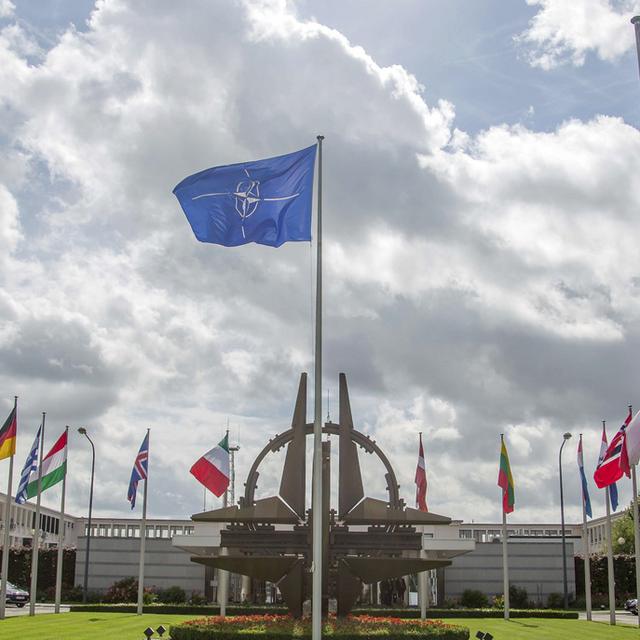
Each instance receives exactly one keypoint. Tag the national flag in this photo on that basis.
(212, 470)
(613, 489)
(30, 466)
(633, 440)
(585, 489)
(505, 481)
(139, 471)
(615, 462)
(8, 435)
(54, 467)
(266, 201)
(421, 480)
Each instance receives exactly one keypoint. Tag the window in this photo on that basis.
(150, 531)
(162, 531)
(465, 533)
(133, 531)
(188, 531)
(176, 531)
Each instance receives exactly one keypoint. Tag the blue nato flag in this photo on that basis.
(267, 201)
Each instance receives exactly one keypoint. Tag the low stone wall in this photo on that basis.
(112, 559)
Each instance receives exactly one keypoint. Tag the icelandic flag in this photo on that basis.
(267, 201)
(585, 489)
(30, 466)
(139, 471)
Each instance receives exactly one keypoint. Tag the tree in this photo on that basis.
(622, 529)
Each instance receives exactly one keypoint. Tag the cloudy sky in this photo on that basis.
(481, 271)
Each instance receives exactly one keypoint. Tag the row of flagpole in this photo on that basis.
(615, 459)
(8, 437)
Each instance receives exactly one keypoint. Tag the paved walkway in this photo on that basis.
(622, 616)
(12, 611)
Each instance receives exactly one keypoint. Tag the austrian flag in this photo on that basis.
(212, 470)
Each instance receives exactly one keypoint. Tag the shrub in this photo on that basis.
(282, 627)
(125, 590)
(172, 595)
(474, 599)
(518, 597)
(497, 602)
(197, 599)
(555, 601)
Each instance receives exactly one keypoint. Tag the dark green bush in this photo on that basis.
(518, 597)
(555, 601)
(172, 595)
(193, 633)
(474, 599)
(469, 613)
(125, 590)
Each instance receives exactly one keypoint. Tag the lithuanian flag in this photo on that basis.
(8, 435)
(505, 481)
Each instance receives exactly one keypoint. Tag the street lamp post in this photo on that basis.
(83, 431)
(565, 437)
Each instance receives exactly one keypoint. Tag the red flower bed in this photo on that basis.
(280, 627)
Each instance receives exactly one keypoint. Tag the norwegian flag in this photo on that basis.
(139, 471)
(421, 480)
(614, 462)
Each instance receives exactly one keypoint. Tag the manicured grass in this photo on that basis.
(122, 626)
(542, 629)
(85, 626)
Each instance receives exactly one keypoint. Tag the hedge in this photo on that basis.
(388, 613)
(20, 568)
(178, 609)
(469, 613)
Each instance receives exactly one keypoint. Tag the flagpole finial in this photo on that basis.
(631, 408)
(319, 138)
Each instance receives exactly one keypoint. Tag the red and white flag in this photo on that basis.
(421, 481)
(212, 470)
(614, 462)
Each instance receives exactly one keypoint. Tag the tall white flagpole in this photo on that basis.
(587, 551)
(7, 528)
(636, 530)
(636, 525)
(35, 544)
(505, 553)
(610, 576)
(143, 531)
(61, 529)
(316, 503)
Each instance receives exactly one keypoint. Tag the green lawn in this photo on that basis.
(123, 626)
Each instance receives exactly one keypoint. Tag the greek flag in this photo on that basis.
(30, 466)
(265, 201)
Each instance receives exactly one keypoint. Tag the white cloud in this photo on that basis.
(6, 8)
(472, 282)
(562, 31)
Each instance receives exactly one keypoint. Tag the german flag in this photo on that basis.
(8, 436)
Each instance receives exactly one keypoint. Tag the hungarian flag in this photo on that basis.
(615, 461)
(505, 481)
(212, 470)
(54, 467)
(421, 481)
(8, 435)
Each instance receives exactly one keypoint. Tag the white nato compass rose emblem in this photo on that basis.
(247, 198)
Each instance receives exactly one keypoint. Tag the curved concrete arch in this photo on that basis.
(331, 428)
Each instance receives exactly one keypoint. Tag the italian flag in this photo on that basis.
(505, 481)
(212, 470)
(54, 467)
